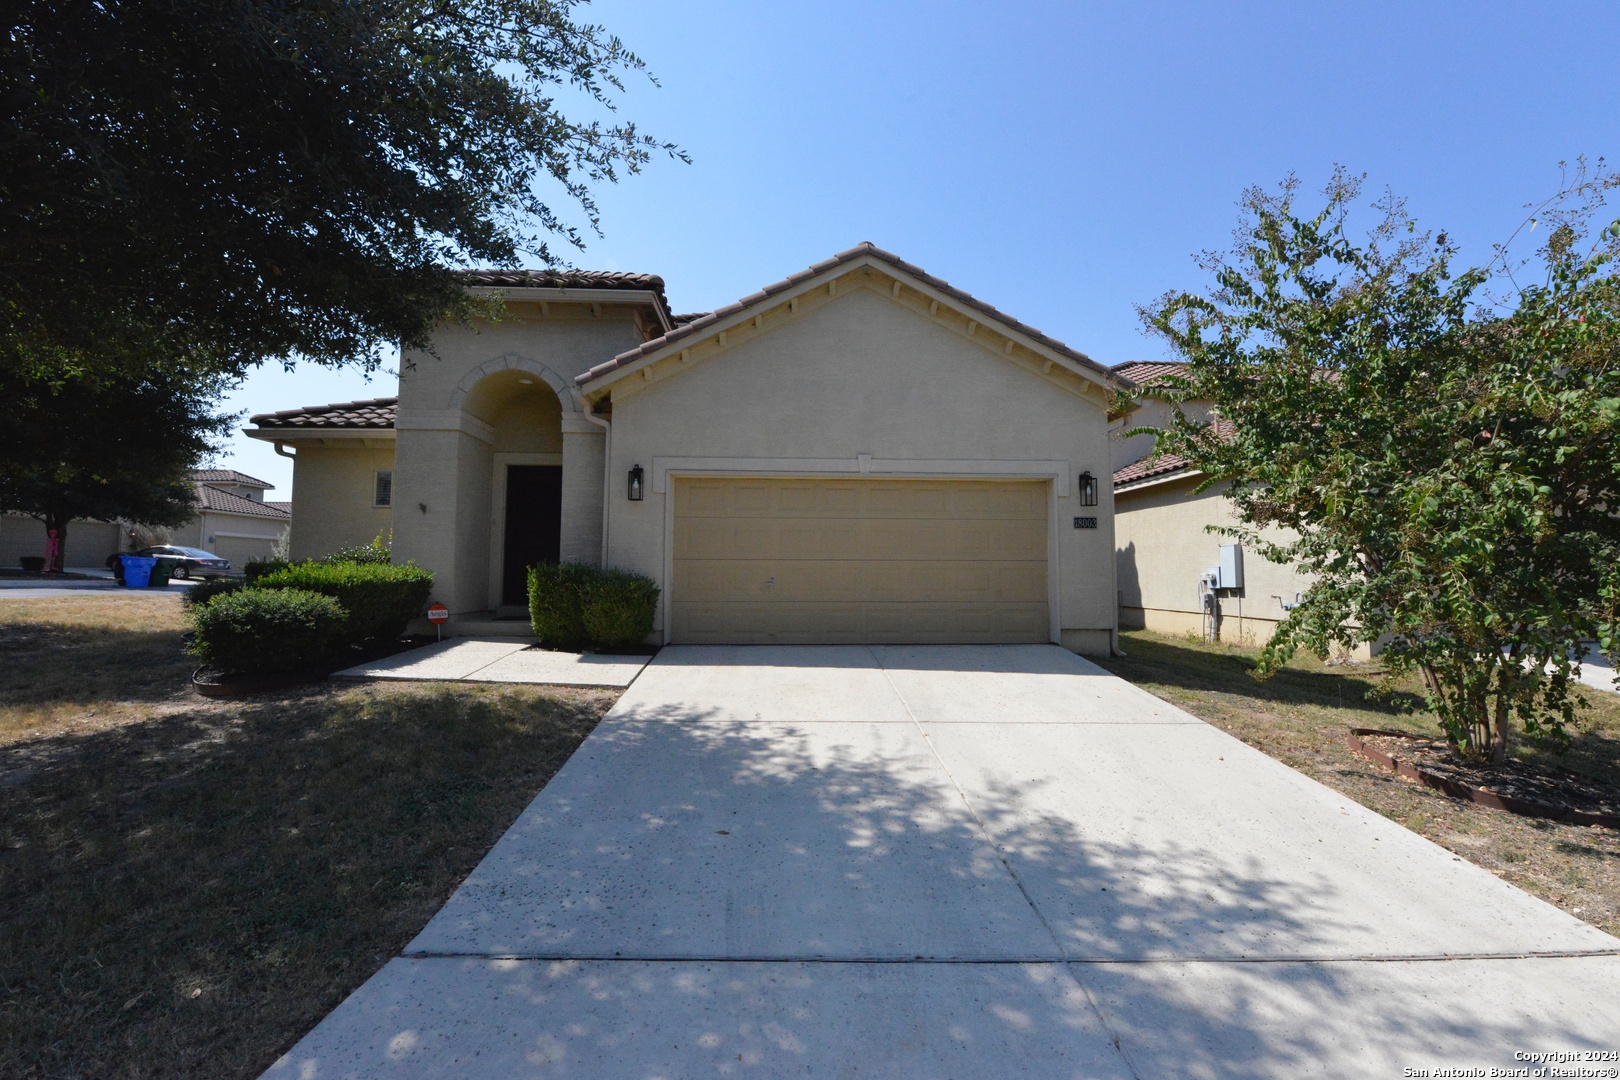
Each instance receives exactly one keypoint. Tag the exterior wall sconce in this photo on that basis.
(1088, 489)
(636, 476)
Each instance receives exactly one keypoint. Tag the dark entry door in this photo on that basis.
(533, 525)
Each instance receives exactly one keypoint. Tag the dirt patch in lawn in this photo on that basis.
(1301, 716)
(188, 886)
(1524, 781)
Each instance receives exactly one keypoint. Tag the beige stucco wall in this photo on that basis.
(88, 542)
(334, 487)
(464, 406)
(864, 374)
(1163, 547)
(1125, 448)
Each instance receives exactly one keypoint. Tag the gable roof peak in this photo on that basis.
(865, 250)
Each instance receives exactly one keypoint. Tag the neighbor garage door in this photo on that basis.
(859, 560)
(241, 550)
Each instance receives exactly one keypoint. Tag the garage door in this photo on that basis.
(240, 550)
(859, 560)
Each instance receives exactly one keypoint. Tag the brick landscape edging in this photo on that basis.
(1457, 789)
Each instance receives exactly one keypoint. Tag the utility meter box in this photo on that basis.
(1231, 569)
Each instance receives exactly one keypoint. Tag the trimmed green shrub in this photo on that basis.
(576, 605)
(254, 569)
(380, 599)
(268, 631)
(555, 607)
(374, 552)
(206, 590)
(617, 608)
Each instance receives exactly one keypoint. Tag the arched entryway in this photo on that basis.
(523, 477)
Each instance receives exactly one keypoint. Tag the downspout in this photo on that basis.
(281, 449)
(607, 472)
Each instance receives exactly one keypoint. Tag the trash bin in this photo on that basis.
(137, 570)
(163, 571)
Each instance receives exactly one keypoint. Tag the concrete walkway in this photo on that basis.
(952, 862)
(501, 659)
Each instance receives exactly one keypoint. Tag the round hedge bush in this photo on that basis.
(204, 591)
(618, 609)
(380, 599)
(268, 632)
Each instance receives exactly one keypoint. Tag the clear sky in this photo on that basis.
(1062, 161)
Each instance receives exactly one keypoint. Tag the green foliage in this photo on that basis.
(105, 447)
(234, 182)
(204, 591)
(255, 569)
(380, 600)
(576, 605)
(1445, 468)
(268, 631)
(556, 608)
(618, 608)
(374, 552)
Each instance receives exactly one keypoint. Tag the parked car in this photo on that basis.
(194, 562)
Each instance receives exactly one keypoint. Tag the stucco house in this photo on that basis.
(234, 520)
(1164, 548)
(857, 453)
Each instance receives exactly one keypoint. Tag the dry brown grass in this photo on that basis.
(187, 886)
(89, 662)
(1300, 717)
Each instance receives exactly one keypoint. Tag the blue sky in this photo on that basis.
(1060, 161)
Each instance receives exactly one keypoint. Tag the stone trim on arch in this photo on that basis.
(567, 393)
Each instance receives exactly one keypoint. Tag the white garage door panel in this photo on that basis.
(777, 560)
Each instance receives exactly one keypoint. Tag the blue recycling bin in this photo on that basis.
(137, 571)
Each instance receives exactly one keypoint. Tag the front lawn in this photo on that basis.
(1301, 715)
(187, 886)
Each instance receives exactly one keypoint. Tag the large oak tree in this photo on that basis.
(224, 182)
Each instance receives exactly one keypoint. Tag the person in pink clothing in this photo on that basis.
(53, 552)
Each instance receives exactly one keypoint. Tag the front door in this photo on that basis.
(533, 526)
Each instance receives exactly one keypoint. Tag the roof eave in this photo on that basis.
(562, 294)
(293, 434)
(1165, 478)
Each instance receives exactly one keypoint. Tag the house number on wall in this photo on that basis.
(1085, 523)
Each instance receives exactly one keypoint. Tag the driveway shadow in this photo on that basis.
(1164, 663)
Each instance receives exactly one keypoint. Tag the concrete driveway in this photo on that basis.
(954, 862)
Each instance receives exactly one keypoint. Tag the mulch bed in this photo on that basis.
(1516, 786)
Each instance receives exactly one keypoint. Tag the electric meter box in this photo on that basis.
(1231, 568)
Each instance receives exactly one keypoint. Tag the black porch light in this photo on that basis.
(1088, 489)
(636, 476)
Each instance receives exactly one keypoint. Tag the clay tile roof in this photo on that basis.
(861, 250)
(213, 498)
(375, 413)
(1151, 468)
(567, 279)
(227, 476)
(691, 316)
(285, 506)
(1148, 372)
(563, 279)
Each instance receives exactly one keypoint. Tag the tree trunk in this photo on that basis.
(56, 519)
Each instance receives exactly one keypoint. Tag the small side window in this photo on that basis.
(385, 488)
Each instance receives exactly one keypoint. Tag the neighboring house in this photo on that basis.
(88, 542)
(858, 453)
(234, 521)
(1163, 544)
